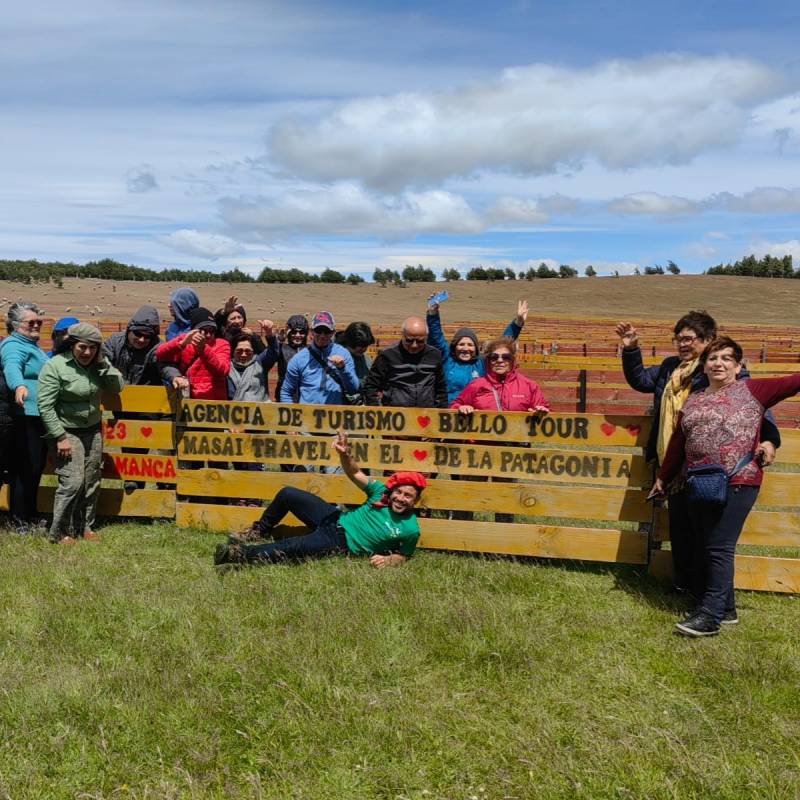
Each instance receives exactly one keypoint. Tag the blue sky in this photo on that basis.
(357, 135)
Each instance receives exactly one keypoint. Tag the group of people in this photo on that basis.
(707, 411)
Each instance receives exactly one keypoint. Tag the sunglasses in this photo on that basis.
(501, 357)
(34, 323)
(412, 340)
(323, 331)
(142, 334)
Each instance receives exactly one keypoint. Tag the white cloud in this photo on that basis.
(778, 249)
(347, 209)
(532, 120)
(763, 200)
(201, 243)
(652, 203)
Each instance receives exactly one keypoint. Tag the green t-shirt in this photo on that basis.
(371, 530)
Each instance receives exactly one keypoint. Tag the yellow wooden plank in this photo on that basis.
(537, 500)
(573, 466)
(141, 399)
(565, 429)
(4, 497)
(150, 434)
(132, 466)
(755, 573)
(780, 489)
(543, 541)
(115, 502)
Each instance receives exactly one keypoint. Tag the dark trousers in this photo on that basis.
(687, 549)
(26, 466)
(718, 529)
(325, 538)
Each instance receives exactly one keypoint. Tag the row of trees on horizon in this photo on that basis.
(33, 271)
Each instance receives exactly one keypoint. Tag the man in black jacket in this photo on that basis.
(408, 374)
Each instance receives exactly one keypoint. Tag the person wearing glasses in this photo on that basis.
(671, 382)
(22, 360)
(409, 374)
(291, 340)
(322, 373)
(133, 351)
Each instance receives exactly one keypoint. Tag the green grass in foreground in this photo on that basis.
(130, 669)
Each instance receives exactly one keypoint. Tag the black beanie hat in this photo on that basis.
(201, 318)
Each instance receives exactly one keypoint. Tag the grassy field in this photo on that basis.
(130, 669)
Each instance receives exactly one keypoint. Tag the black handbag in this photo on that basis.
(708, 483)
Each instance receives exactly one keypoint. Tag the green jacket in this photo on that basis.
(69, 394)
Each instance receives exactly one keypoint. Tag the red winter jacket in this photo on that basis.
(206, 368)
(515, 393)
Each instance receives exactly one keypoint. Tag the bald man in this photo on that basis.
(408, 374)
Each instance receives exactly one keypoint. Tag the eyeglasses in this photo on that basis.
(684, 339)
(141, 334)
(34, 323)
(412, 340)
(501, 357)
(243, 352)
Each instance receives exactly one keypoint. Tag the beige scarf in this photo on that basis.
(675, 394)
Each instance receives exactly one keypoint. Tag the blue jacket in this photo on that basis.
(22, 361)
(653, 380)
(307, 381)
(458, 374)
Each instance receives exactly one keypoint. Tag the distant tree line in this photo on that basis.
(752, 267)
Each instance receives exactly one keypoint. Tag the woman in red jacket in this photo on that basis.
(203, 358)
(503, 387)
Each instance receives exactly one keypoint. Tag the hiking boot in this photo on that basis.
(698, 624)
(229, 553)
(252, 533)
(91, 536)
(730, 617)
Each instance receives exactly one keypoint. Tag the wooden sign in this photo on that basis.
(572, 429)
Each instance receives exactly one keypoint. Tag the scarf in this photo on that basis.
(676, 391)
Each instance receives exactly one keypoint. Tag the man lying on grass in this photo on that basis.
(384, 528)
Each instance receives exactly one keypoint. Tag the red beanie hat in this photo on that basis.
(406, 479)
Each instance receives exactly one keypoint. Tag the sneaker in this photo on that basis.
(730, 618)
(699, 624)
(229, 553)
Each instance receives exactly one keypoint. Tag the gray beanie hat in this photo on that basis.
(84, 332)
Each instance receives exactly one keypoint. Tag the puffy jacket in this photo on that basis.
(408, 380)
(514, 393)
(206, 367)
(457, 373)
(22, 360)
(307, 381)
(653, 380)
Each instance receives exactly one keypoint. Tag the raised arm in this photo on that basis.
(514, 328)
(436, 337)
(351, 469)
(639, 377)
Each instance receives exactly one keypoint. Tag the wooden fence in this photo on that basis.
(575, 483)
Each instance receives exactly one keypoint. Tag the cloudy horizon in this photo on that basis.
(352, 135)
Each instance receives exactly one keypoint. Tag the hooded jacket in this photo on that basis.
(286, 352)
(138, 367)
(514, 393)
(184, 301)
(206, 367)
(457, 373)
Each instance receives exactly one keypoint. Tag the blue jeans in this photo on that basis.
(326, 537)
(718, 529)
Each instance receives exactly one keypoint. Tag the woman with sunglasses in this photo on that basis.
(671, 382)
(503, 387)
(22, 360)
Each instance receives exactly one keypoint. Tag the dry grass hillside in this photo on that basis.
(729, 299)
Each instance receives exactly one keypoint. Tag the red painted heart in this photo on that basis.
(633, 430)
(146, 430)
(607, 428)
(424, 421)
(420, 455)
